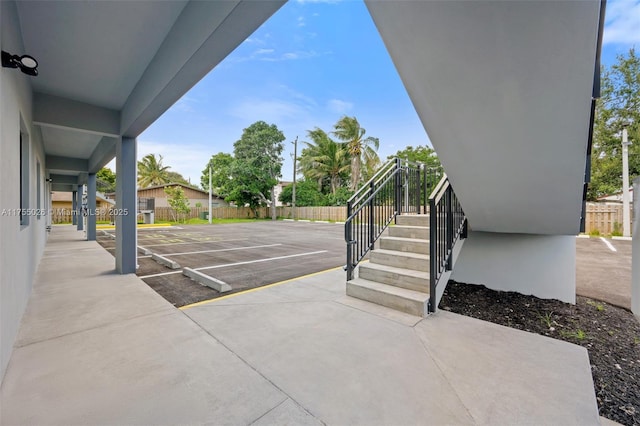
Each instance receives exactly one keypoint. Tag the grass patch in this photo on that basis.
(198, 221)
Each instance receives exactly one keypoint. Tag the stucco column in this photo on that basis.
(635, 250)
(74, 208)
(91, 207)
(126, 236)
(79, 206)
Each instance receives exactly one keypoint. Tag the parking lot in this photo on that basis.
(254, 254)
(603, 270)
(243, 255)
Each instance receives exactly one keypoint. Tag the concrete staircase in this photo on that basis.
(397, 274)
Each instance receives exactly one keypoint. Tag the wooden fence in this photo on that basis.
(65, 215)
(337, 214)
(604, 219)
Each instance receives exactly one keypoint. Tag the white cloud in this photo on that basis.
(267, 55)
(301, 22)
(185, 104)
(339, 106)
(281, 104)
(622, 25)
(269, 110)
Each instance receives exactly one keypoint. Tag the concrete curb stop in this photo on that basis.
(145, 251)
(203, 279)
(164, 261)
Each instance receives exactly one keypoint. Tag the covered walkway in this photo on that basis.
(96, 347)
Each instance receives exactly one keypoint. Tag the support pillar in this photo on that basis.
(635, 251)
(79, 205)
(126, 235)
(74, 208)
(91, 207)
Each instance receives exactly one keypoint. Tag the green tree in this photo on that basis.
(361, 150)
(220, 164)
(175, 177)
(619, 103)
(177, 201)
(307, 194)
(257, 166)
(105, 180)
(324, 160)
(151, 171)
(419, 154)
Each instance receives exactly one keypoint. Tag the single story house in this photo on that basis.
(615, 198)
(194, 195)
(63, 201)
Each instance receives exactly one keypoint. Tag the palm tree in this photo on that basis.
(324, 159)
(151, 171)
(361, 150)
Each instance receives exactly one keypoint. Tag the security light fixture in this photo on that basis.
(26, 63)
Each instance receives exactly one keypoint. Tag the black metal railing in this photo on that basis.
(400, 186)
(447, 224)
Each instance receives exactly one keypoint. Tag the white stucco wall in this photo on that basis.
(21, 247)
(635, 263)
(541, 265)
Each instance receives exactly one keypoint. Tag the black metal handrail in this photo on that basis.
(447, 224)
(400, 186)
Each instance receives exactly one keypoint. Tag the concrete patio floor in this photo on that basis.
(99, 348)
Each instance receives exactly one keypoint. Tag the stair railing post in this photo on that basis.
(433, 254)
(349, 232)
(372, 236)
(398, 187)
(449, 225)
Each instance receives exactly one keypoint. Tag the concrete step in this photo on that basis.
(401, 299)
(402, 231)
(411, 245)
(398, 259)
(398, 277)
(413, 220)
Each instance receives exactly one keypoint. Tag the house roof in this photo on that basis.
(616, 196)
(178, 184)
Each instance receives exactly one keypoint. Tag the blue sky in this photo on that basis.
(311, 63)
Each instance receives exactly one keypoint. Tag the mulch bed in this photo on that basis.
(610, 334)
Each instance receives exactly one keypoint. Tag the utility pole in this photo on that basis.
(210, 204)
(626, 216)
(293, 195)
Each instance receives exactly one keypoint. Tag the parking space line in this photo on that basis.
(251, 290)
(260, 260)
(194, 242)
(236, 263)
(217, 250)
(608, 244)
